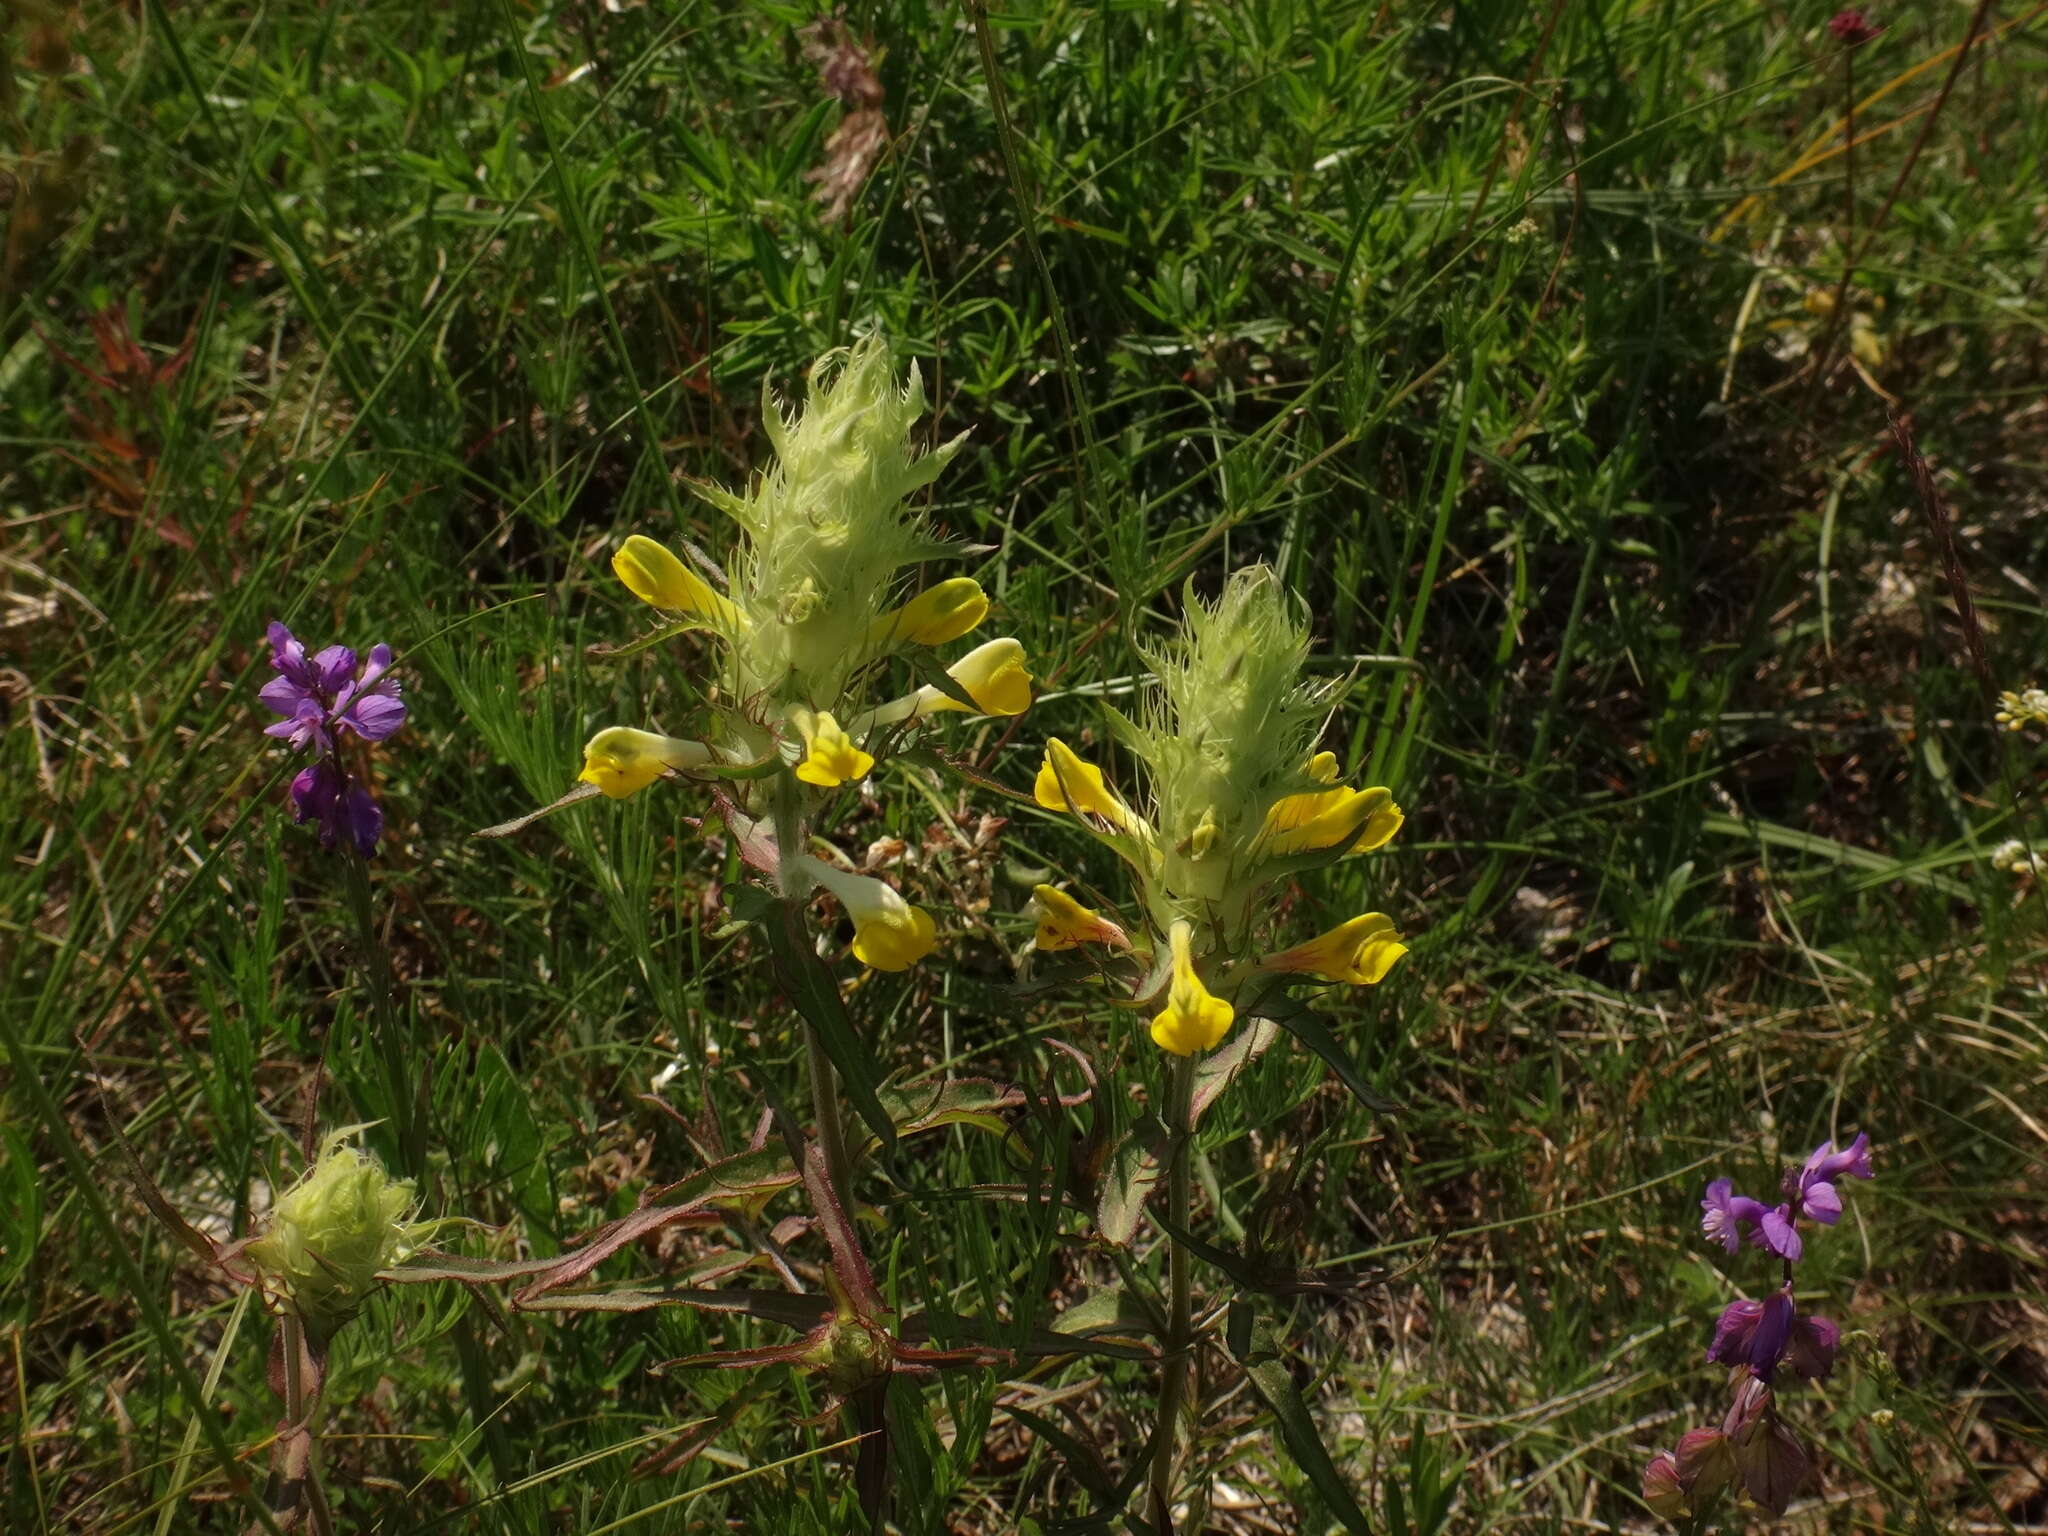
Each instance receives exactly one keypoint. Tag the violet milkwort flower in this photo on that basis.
(1754, 1447)
(321, 696)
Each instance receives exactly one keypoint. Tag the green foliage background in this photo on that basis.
(1494, 328)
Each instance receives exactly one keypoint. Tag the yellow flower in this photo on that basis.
(657, 577)
(936, 615)
(831, 758)
(1322, 768)
(1327, 818)
(1360, 951)
(888, 932)
(620, 760)
(992, 674)
(1193, 1019)
(1065, 783)
(1063, 923)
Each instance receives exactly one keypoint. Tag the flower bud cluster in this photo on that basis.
(1239, 799)
(1753, 1447)
(334, 1231)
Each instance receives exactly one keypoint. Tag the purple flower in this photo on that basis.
(1754, 1333)
(342, 807)
(1814, 1192)
(1763, 1334)
(1725, 1211)
(326, 692)
(1777, 1232)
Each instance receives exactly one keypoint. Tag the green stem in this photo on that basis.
(1175, 1359)
(389, 1030)
(794, 886)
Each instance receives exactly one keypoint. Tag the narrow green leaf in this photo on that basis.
(1313, 1031)
(1267, 1371)
(814, 992)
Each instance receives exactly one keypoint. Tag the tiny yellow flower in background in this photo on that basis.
(830, 758)
(992, 674)
(657, 577)
(1322, 768)
(1063, 923)
(936, 615)
(1329, 818)
(1193, 1018)
(888, 932)
(1065, 783)
(1360, 951)
(2028, 707)
(620, 760)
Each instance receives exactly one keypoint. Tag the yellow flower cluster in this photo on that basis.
(1238, 801)
(823, 537)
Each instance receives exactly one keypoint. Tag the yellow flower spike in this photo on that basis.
(831, 758)
(1329, 818)
(620, 760)
(654, 575)
(1063, 923)
(1360, 951)
(1065, 783)
(992, 674)
(889, 934)
(1193, 1018)
(936, 615)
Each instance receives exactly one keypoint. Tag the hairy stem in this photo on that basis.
(793, 887)
(1175, 1359)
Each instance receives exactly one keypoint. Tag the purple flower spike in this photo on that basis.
(326, 692)
(319, 696)
(1725, 1211)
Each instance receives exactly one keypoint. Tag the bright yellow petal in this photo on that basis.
(1194, 1019)
(1065, 783)
(831, 758)
(620, 760)
(1331, 818)
(1360, 951)
(895, 942)
(654, 575)
(936, 615)
(1063, 923)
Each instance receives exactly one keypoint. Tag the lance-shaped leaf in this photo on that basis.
(1219, 1069)
(1313, 1031)
(975, 1101)
(1260, 1358)
(1083, 1339)
(575, 796)
(1132, 1174)
(814, 991)
(745, 1182)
